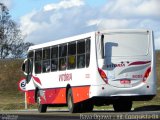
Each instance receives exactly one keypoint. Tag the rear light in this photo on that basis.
(147, 72)
(103, 75)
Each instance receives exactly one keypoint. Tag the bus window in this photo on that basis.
(38, 61)
(80, 61)
(62, 63)
(30, 54)
(87, 52)
(54, 52)
(81, 47)
(81, 54)
(62, 57)
(63, 50)
(71, 55)
(54, 58)
(46, 53)
(54, 64)
(46, 59)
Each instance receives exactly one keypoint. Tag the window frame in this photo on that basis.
(81, 55)
(55, 58)
(69, 66)
(62, 66)
(88, 52)
(46, 61)
(38, 61)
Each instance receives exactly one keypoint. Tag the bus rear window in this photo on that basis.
(126, 44)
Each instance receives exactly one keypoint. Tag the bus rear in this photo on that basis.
(126, 68)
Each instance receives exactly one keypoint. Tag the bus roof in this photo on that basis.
(82, 36)
(61, 41)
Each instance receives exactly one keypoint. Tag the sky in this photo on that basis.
(46, 20)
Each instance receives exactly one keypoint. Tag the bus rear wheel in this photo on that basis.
(73, 108)
(122, 106)
(87, 106)
(41, 107)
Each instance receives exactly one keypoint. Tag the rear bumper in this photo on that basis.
(103, 100)
(138, 93)
(130, 98)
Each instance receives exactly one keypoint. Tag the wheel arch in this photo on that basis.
(67, 88)
(35, 95)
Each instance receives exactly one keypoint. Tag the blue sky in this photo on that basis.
(23, 7)
(45, 20)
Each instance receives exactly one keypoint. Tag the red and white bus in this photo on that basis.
(97, 68)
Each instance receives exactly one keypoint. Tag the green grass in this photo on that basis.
(10, 73)
(11, 98)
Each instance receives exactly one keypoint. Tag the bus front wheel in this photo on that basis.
(41, 107)
(122, 106)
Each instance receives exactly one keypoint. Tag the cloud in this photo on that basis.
(93, 22)
(115, 23)
(71, 17)
(136, 14)
(63, 4)
(27, 25)
(149, 8)
(133, 8)
(42, 26)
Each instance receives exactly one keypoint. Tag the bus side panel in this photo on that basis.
(30, 96)
(61, 96)
(53, 96)
(58, 95)
(80, 93)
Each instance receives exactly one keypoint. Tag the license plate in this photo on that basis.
(125, 81)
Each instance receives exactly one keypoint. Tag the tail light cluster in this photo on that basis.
(103, 75)
(147, 72)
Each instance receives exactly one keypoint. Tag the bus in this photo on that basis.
(107, 67)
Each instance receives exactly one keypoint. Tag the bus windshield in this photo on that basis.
(125, 44)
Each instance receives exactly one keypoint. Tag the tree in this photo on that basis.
(19, 50)
(11, 38)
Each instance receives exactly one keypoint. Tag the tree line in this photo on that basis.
(12, 44)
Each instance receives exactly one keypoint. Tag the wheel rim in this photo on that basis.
(70, 101)
(38, 101)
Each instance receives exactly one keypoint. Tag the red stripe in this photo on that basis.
(80, 93)
(54, 96)
(139, 63)
(37, 80)
(58, 95)
(30, 96)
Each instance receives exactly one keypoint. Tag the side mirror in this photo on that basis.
(24, 67)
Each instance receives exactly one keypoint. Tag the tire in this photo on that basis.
(42, 108)
(73, 108)
(87, 106)
(122, 106)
